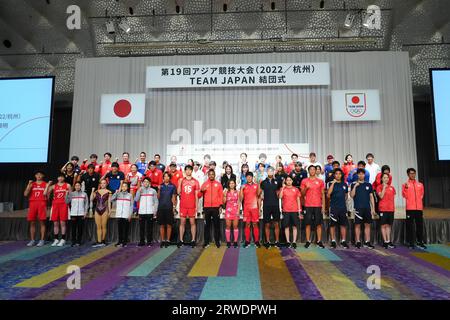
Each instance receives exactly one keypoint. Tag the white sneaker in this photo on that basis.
(55, 243)
(40, 243)
(61, 243)
(31, 243)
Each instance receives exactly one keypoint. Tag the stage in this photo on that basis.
(14, 227)
(143, 273)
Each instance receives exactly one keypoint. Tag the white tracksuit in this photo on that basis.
(79, 203)
(124, 204)
(148, 200)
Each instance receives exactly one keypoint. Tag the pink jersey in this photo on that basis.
(187, 195)
(250, 195)
(231, 209)
(313, 197)
(59, 193)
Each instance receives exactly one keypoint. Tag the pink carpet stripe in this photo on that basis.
(229, 265)
(96, 288)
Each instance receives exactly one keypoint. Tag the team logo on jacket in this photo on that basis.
(367, 188)
(355, 104)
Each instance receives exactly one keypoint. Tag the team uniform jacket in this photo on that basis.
(79, 203)
(148, 200)
(124, 204)
(413, 195)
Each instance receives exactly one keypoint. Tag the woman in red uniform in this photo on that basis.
(386, 208)
(60, 210)
(37, 207)
(232, 207)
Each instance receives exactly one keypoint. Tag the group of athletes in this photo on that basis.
(282, 194)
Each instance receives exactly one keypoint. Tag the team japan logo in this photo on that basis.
(355, 104)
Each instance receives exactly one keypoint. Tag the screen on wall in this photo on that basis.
(25, 119)
(440, 80)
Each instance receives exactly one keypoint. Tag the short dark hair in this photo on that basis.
(207, 156)
(335, 162)
(61, 175)
(243, 153)
(385, 167)
(157, 155)
(312, 166)
(152, 163)
(91, 166)
(294, 155)
(142, 152)
(168, 174)
(75, 158)
(360, 170)
(261, 165)
(338, 170)
(249, 174)
(361, 163)
(77, 182)
(211, 170)
(318, 167)
(125, 153)
(298, 163)
(126, 184)
(288, 176)
(146, 178)
(409, 170)
(212, 163)
(312, 154)
(39, 171)
(107, 154)
(93, 156)
(114, 165)
(172, 164)
(188, 167)
(369, 155)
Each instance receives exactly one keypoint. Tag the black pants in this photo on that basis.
(212, 214)
(146, 227)
(76, 228)
(414, 217)
(123, 225)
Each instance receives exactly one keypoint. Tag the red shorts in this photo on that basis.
(251, 215)
(60, 212)
(188, 212)
(37, 210)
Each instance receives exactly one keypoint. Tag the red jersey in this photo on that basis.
(377, 181)
(84, 166)
(105, 167)
(177, 175)
(37, 191)
(313, 196)
(156, 177)
(289, 199)
(125, 167)
(387, 204)
(347, 167)
(250, 192)
(187, 194)
(59, 193)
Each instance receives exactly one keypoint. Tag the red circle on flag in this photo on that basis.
(355, 99)
(122, 108)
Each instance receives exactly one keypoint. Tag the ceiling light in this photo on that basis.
(123, 24)
(349, 18)
(110, 27)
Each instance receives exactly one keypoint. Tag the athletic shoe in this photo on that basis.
(31, 243)
(358, 245)
(333, 244)
(368, 245)
(320, 245)
(235, 244)
(96, 245)
(124, 245)
(167, 244)
(344, 244)
(161, 245)
(267, 245)
(205, 245)
(228, 245)
(55, 243)
(103, 244)
(61, 243)
(141, 244)
(307, 244)
(40, 243)
(391, 245)
(246, 244)
(258, 244)
(385, 245)
(294, 245)
(192, 244)
(118, 244)
(149, 244)
(218, 244)
(278, 245)
(179, 244)
(421, 245)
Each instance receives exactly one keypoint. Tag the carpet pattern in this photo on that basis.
(153, 273)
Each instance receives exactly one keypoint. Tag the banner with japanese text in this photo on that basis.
(239, 75)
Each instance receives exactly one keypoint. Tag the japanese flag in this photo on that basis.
(122, 108)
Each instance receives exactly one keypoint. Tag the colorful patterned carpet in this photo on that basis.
(186, 273)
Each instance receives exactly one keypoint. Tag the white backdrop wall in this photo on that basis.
(302, 114)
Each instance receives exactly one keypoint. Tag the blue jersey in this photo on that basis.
(353, 176)
(337, 199)
(142, 167)
(362, 195)
(328, 169)
(114, 180)
(166, 191)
